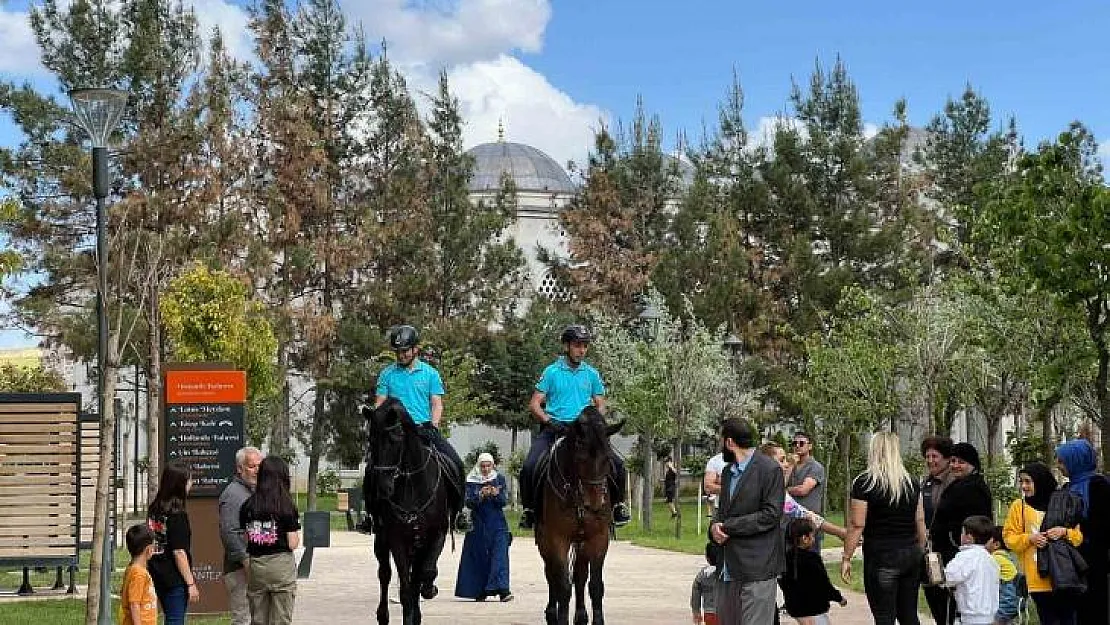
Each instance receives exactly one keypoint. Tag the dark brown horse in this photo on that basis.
(408, 499)
(575, 516)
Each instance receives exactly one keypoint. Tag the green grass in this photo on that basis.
(71, 611)
(662, 535)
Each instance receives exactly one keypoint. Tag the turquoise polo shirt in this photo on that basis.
(413, 387)
(569, 390)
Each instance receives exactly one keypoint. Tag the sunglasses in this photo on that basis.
(798, 443)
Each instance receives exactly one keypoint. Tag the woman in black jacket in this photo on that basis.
(967, 495)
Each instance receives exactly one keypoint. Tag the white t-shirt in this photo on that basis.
(716, 464)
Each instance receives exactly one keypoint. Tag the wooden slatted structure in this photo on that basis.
(40, 470)
(90, 469)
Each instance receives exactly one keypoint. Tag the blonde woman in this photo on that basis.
(886, 509)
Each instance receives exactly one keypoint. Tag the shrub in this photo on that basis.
(327, 482)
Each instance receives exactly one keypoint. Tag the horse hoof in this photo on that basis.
(429, 591)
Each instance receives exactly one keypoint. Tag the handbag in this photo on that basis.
(933, 563)
(934, 567)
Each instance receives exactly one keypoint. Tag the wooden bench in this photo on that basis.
(40, 474)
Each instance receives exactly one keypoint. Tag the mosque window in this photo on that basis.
(553, 289)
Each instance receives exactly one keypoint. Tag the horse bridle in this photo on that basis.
(394, 471)
(563, 491)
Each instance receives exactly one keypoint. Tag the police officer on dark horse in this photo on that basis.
(565, 389)
(581, 486)
(416, 386)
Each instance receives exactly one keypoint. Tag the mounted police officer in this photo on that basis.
(567, 386)
(419, 388)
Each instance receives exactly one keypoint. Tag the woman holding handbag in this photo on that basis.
(1026, 535)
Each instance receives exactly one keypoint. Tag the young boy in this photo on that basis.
(704, 591)
(138, 603)
(973, 573)
(1008, 579)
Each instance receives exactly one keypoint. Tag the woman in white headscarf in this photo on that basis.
(484, 565)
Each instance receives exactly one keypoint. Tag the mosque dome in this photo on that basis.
(531, 169)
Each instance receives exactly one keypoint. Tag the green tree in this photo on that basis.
(961, 154)
(512, 360)
(616, 224)
(474, 273)
(1049, 226)
(30, 379)
(210, 317)
(146, 47)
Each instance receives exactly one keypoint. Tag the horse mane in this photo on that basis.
(381, 414)
(591, 426)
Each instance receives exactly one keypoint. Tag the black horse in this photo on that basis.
(575, 516)
(408, 499)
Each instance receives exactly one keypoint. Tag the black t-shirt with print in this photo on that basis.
(267, 534)
(171, 532)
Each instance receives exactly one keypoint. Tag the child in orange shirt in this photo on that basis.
(138, 603)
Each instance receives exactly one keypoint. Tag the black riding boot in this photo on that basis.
(528, 515)
(366, 524)
(621, 514)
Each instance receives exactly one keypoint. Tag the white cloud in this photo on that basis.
(474, 41)
(1104, 151)
(19, 53)
(449, 32)
(233, 22)
(533, 110)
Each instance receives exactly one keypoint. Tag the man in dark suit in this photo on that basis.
(748, 527)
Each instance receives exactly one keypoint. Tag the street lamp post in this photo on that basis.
(98, 112)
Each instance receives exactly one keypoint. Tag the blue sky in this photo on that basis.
(551, 71)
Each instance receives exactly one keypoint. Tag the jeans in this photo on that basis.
(175, 601)
(891, 578)
(1053, 609)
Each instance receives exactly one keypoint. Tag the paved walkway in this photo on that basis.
(643, 587)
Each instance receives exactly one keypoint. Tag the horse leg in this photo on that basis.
(554, 553)
(581, 573)
(405, 577)
(597, 582)
(429, 570)
(381, 552)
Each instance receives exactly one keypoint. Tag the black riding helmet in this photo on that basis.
(576, 333)
(403, 337)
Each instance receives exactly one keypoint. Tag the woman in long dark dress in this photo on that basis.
(1079, 461)
(967, 495)
(484, 565)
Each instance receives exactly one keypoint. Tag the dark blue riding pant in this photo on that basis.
(541, 445)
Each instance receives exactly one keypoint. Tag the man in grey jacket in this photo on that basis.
(237, 491)
(748, 527)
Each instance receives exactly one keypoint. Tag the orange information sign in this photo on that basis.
(191, 386)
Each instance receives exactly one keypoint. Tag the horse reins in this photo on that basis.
(410, 516)
(563, 491)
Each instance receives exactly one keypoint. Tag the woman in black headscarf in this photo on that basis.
(1024, 535)
(967, 495)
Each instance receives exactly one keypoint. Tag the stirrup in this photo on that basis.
(463, 522)
(366, 525)
(621, 517)
(527, 519)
